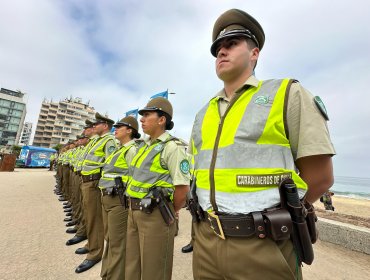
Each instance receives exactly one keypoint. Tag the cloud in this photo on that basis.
(118, 53)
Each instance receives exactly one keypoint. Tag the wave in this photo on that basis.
(358, 195)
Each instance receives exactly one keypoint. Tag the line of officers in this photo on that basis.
(125, 191)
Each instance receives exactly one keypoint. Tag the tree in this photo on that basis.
(16, 149)
(58, 147)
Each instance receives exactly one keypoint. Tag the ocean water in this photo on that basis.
(351, 187)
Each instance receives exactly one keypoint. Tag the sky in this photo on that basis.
(115, 54)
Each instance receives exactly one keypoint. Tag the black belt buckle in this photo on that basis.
(215, 224)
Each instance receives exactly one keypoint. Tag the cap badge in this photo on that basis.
(222, 32)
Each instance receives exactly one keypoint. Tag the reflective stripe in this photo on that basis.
(95, 157)
(146, 170)
(242, 202)
(111, 176)
(115, 166)
(253, 152)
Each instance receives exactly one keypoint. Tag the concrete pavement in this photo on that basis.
(33, 238)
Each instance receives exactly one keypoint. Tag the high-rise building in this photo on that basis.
(12, 114)
(61, 121)
(26, 134)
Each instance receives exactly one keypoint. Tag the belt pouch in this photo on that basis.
(278, 224)
(147, 205)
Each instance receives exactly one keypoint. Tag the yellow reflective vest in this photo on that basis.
(95, 157)
(245, 154)
(146, 170)
(115, 166)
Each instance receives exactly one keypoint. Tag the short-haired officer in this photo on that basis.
(90, 138)
(159, 182)
(248, 138)
(115, 209)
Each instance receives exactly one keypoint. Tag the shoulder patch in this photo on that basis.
(184, 166)
(111, 149)
(320, 105)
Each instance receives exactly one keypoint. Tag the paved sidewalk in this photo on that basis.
(32, 238)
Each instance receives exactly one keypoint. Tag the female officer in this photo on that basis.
(160, 168)
(114, 214)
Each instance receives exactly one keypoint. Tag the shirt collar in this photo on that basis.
(251, 81)
(105, 134)
(129, 143)
(163, 137)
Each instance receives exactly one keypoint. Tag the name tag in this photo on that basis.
(270, 180)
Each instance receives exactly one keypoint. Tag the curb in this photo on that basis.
(349, 236)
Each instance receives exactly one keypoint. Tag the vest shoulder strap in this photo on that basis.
(285, 109)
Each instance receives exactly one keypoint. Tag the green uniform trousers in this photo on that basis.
(91, 199)
(115, 226)
(70, 185)
(149, 248)
(238, 258)
(59, 170)
(81, 226)
(66, 181)
(76, 196)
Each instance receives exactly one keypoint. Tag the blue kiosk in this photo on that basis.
(31, 156)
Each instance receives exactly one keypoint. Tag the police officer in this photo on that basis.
(81, 141)
(249, 137)
(160, 167)
(116, 167)
(87, 142)
(91, 195)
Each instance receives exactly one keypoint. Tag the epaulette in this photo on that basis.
(179, 141)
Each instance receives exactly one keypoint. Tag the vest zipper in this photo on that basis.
(215, 150)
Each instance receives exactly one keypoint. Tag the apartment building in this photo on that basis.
(12, 115)
(25, 138)
(61, 121)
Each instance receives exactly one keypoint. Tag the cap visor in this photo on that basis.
(226, 35)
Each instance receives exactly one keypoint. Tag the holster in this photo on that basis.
(193, 205)
(120, 189)
(311, 220)
(163, 206)
(302, 234)
(122, 197)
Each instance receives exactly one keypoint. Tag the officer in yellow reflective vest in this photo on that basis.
(65, 172)
(112, 183)
(91, 196)
(245, 141)
(157, 188)
(81, 141)
(90, 137)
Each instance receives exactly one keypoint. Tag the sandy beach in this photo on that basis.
(33, 236)
(347, 210)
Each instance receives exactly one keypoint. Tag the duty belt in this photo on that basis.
(225, 225)
(135, 203)
(89, 178)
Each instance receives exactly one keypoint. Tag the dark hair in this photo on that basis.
(251, 45)
(134, 134)
(110, 125)
(169, 122)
